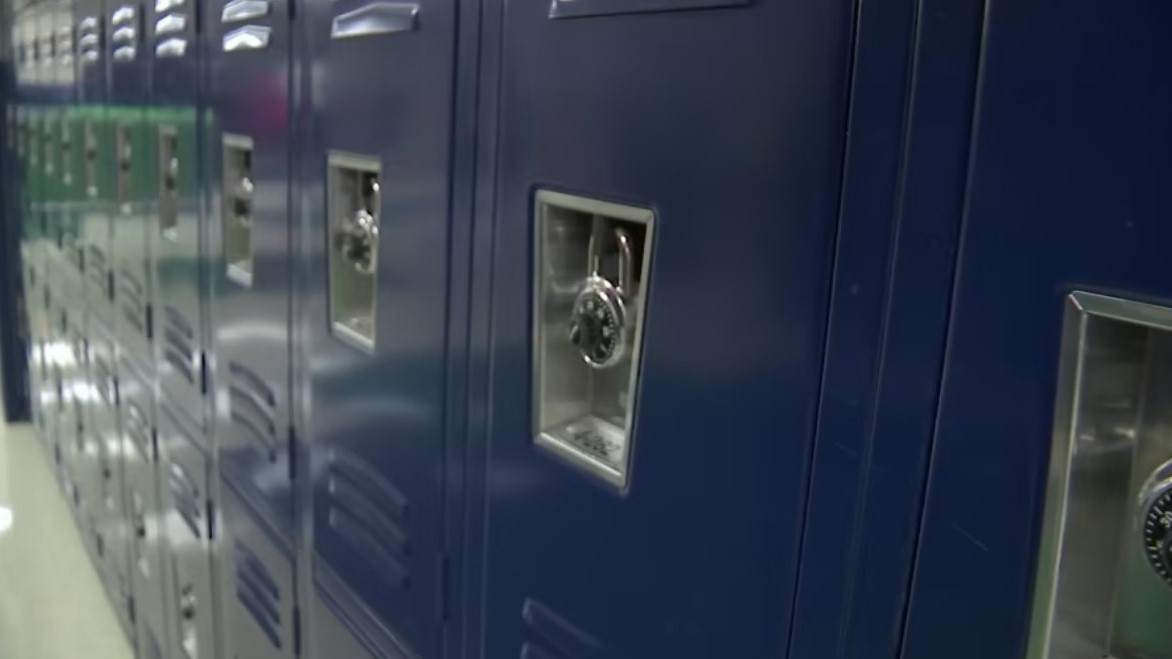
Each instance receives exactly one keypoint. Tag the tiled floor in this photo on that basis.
(51, 602)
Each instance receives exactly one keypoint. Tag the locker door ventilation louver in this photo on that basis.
(555, 637)
(252, 409)
(103, 380)
(132, 295)
(96, 267)
(258, 593)
(178, 345)
(138, 430)
(371, 515)
(186, 498)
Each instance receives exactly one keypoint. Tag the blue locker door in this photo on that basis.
(176, 231)
(1068, 191)
(377, 160)
(111, 508)
(133, 166)
(257, 596)
(149, 549)
(246, 143)
(185, 491)
(96, 155)
(724, 128)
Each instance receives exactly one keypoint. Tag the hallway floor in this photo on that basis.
(52, 605)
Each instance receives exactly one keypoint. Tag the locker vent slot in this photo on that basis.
(370, 514)
(96, 266)
(555, 637)
(138, 430)
(133, 298)
(186, 498)
(257, 592)
(103, 379)
(178, 348)
(252, 409)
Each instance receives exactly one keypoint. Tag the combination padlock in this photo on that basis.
(599, 323)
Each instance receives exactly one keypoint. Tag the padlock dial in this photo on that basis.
(598, 324)
(1157, 533)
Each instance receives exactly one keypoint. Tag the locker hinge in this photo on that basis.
(203, 375)
(150, 321)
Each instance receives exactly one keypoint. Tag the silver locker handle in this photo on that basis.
(124, 54)
(376, 18)
(171, 48)
(249, 37)
(244, 10)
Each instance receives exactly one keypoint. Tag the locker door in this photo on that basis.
(112, 519)
(185, 490)
(149, 550)
(176, 232)
(134, 168)
(1054, 398)
(95, 152)
(663, 222)
(247, 145)
(377, 162)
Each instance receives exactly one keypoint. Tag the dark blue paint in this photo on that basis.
(1068, 190)
(904, 187)
(708, 118)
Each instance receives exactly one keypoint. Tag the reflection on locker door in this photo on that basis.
(377, 163)
(664, 217)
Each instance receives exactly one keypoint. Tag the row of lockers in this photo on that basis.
(571, 329)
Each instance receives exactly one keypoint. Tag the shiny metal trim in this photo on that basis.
(124, 34)
(1081, 307)
(249, 37)
(124, 14)
(244, 10)
(641, 214)
(171, 48)
(376, 18)
(171, 23)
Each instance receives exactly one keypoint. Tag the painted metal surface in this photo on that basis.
(248, 101)
(1067, 190)
(698, 556)
(374, 421)
(907, 158)
(176, 232)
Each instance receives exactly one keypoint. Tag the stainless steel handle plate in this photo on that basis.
(376, 18)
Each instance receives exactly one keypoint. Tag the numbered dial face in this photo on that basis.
(598, 324)
(1157, 534)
